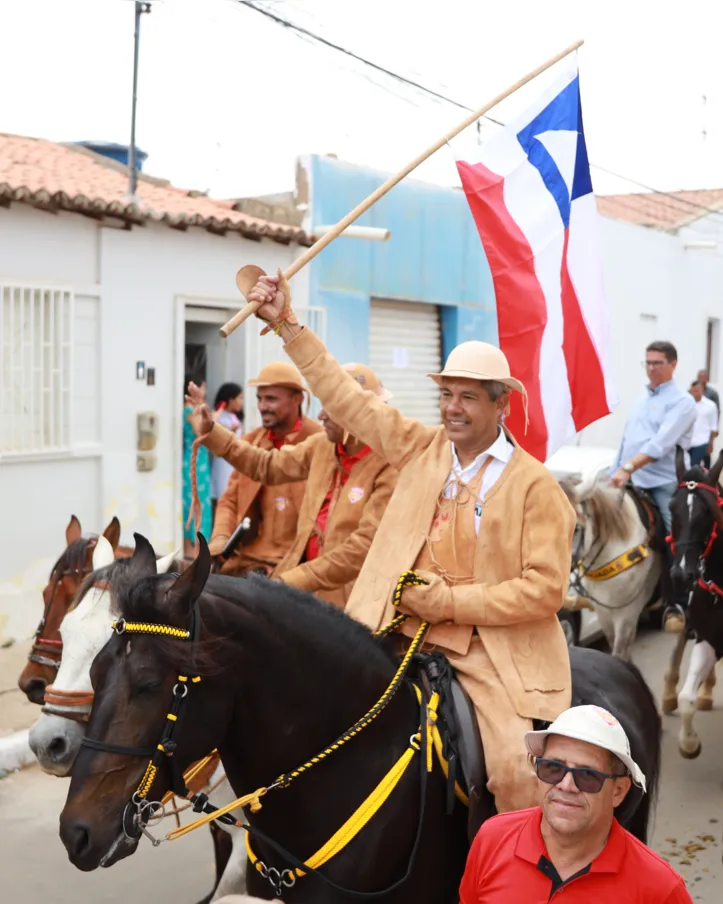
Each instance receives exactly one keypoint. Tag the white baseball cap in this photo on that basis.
(594, 725)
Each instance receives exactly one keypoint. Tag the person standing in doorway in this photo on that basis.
(203, 476)
(228, 411)
(705, 429)
(662, 420)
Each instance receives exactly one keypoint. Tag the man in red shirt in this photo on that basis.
(571, 842)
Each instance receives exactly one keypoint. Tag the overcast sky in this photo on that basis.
(228, 99)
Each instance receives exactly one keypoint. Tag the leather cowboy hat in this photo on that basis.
(368, 380)
(280, 373)
(478, 361)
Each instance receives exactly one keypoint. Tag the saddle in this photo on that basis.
(651, 518)
(462, 748)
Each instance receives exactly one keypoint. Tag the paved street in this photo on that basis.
(34, 868)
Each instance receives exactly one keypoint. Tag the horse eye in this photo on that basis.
(148, 688)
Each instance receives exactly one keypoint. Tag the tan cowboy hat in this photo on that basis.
(478, 361)
(280, 373)
(368, 380)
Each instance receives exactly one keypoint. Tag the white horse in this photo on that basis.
(56, 737)
(615, 567)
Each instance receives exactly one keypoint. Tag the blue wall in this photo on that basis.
(434, 255)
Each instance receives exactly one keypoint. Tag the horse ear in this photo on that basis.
(187, 588)
(679, 463)
(72, 531)
(102, 554)
(715, 471)
(112, 533)
(143, 560)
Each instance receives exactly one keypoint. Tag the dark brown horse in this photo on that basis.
(283, 675)
(66, 576)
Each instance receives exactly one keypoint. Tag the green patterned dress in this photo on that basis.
(203, 480)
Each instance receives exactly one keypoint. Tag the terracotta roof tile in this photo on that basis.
(669, 211)
(71, 177)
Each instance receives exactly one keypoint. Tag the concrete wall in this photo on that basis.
(128, 286)
(433, 255)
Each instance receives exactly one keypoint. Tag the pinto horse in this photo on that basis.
(697, 542)
(282, 676)
(66, 576)
(614, 566)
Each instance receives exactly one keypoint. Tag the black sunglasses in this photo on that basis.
(589, 781)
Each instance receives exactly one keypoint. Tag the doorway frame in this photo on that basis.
(179, 342)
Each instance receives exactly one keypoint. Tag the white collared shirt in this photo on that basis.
(500, 451)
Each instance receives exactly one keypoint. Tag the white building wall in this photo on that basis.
(128, 287)
(657, 289)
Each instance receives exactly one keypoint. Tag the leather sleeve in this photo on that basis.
(342, 564)
(267, 466)
(381, 426)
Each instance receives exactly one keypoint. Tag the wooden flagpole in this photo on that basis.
(353, 215)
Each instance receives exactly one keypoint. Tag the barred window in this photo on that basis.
(36, 351)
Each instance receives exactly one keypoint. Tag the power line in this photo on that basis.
(319, 39)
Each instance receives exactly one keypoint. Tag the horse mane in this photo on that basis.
(73, 558)
(288, 615)
(608, 510)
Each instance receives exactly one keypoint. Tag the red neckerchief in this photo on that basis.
(345, 463)
(278, 442)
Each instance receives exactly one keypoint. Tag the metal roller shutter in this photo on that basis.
(404, 346)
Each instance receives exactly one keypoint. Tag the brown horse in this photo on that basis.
(66, 576)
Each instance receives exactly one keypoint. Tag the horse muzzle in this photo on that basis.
(55, 741)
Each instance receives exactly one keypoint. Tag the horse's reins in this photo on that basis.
(139, 810)
(693, 486)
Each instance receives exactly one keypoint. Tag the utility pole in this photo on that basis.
(141, 7)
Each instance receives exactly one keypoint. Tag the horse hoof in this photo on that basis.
(670, 704)
(705, 704)
(691, 754)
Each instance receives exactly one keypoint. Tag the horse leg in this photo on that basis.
(625, 631)
(705, 694)
(233, 881)
(672, 675)
(702, 661)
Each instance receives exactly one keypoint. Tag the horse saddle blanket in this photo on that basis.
(651, 518)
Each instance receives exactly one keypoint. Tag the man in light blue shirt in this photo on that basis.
(659, 422)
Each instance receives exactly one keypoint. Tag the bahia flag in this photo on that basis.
(532, 201)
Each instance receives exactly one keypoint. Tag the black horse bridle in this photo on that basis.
(46, 645)
(139, 809)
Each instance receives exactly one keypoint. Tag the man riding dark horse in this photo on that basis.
(482, 522)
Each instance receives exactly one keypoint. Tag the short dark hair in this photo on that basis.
(695, 383)
(665, 348)
(494, 389)
(227, 392)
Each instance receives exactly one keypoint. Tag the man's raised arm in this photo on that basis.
(268, 466)
(378, 425)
